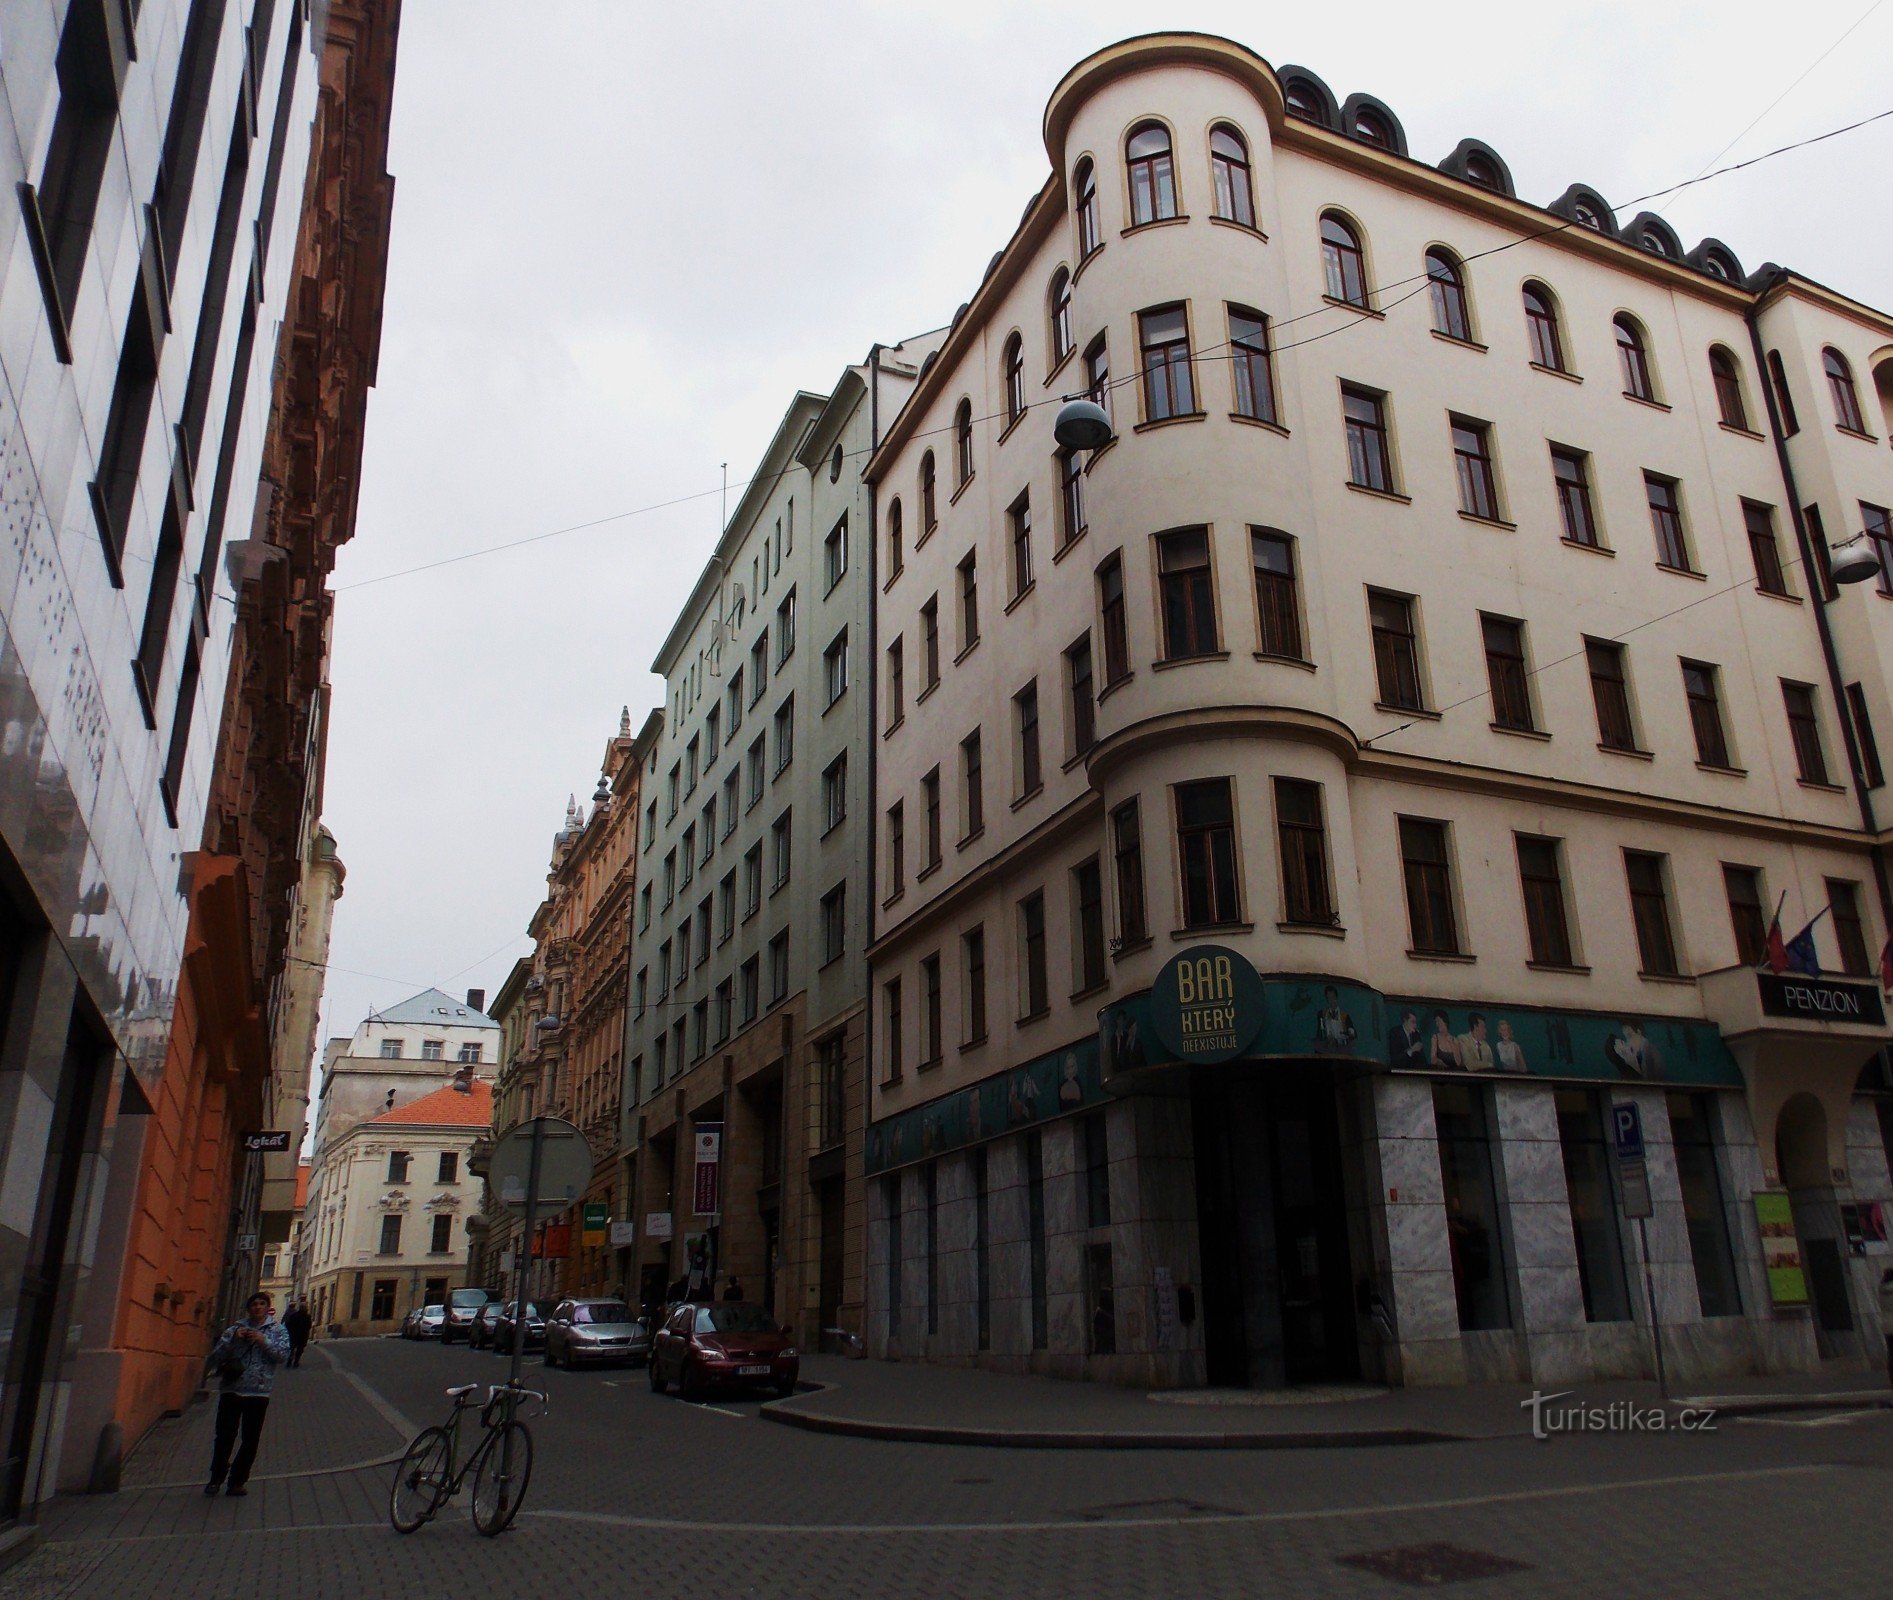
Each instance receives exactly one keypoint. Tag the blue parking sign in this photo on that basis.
(1626, 1123)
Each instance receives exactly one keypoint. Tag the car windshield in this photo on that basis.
(433, 1312)
(603, 1311)
(463, 1298)
(734, 1319)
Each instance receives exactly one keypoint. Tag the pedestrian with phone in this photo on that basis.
(245, 1360)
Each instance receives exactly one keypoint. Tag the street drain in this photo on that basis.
(1427, 1565)
(1141, 1509)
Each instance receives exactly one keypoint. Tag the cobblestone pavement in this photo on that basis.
(637, 1495)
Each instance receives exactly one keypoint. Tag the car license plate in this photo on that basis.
(753, 1372)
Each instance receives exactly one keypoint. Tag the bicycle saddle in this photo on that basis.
(461, 1388)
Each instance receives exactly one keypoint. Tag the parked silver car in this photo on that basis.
(582, 1332)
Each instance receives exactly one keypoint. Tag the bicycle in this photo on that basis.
(501, 1463)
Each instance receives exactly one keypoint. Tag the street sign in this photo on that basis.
(1626, 1122)
(709, 1152)
(565, 1165)
(1633, 1171)
(266, 1142)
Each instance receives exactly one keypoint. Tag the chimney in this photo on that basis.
(476, 999)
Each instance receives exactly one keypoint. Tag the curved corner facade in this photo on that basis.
(1448, 632)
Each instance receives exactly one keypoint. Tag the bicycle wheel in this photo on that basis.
(420, 1482)
(505, 1470)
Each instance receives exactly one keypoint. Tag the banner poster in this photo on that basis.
(1781, 1251)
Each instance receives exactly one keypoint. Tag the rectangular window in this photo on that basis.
(896, 849)
(683, 951)
(1822, 577)
(449, 1168)
(1426, 863)
(1035, 1236)
(753, 768)
(1117, 650)
(390, 1236)
(1587, 1163)
(1034, 988)
(780, 843)
(835, 667)
(835, 552)
(1743, 886)
(732, 800)
(687, 856)
(1665, 497)
(930, 800)
(969, 601)
(1506, 673)
(663, 969)
(1098, 373)
(1277, 596)
(1087, 941)
(930, 644)
(749, 990)
(1864, 741)
(1164, 335)
(1187, 593)
(973, 967)
(1396, 650)
(1703, 692)
(1071, 497)
(1019, 522)
(779, 966)
(712, 737)
(709, 829)
(1462, 1120)
(692, 752)
(1850, 934)
(896, 684)
(736, 701)
(785, 733)
(1764, 548)
(726, 906)
(433, 1050)
(1206, 850)
(672, 791)
(391, 1049)
(834, 923)
(1364, 416)
(1249, 361)
(930, 1021)
(831, 1068)
(703, 930)
(759, 667)
(1610, 693)
(1650, 909)
(725, 1010)
(1127, 860)
(752, 881)
(895, 1033)
(442, 1240)
(1804, 727)
(1541, 877)
(785, 629)
(1571, 476)
(1878, 523)
(1472, 459)
(1083, 695)
(835, 793)
(381, 1302)
(972, 787)
(1705, 1211)
(1025, 717)
(1303, 836)
(398, 1163)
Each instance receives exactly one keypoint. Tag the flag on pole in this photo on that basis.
(1776, 950)
(1802, 956)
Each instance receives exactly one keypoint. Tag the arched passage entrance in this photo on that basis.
(1801, 1157)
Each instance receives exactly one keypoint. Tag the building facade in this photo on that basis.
(1443, 656)
(752, 889)
(391, 1233)
(495, 1230)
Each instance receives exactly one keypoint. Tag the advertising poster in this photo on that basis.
(1781, 1251)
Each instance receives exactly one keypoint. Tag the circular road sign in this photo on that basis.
(565, 1165)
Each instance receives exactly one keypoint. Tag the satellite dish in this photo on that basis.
(1854, 561)
(1082, 425)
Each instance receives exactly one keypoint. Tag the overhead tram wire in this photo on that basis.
(1420, 280)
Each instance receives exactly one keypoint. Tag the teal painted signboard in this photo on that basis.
(1206, 1004)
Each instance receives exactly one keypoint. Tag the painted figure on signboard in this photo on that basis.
(1442, 1049)
(1070, 1091)
(1475, 1054)
(1510, 1053)
(1632, 1054)
(1334, 1028)
(1406, 1045)
(1022, 1099)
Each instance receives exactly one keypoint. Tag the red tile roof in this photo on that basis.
(446, 1107)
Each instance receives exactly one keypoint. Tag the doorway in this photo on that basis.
(832, 1198)
(1278, 1299)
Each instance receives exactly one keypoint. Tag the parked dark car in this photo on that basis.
(480, 1330)
(730, 1345)
(505, 1326)
(588, 1332)
(463, 1305)
(424, 1322)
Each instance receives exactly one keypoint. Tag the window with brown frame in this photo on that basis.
(1370, 127)
(1019, 523)
(1426, 864)
(973, 961)
(1277, 594)
(930, 643)
(895, 1030)
(1250, 364)
(1804, 728)
(1633, 356)
(1364, 417)
(1850, 934)
(1060, 301)
(1084, 184)
(1610, 693)
(1087, 897)
(1098, 373)
(1472, 461)
(1013, 363)
(1864, 741)
(1117, 648)
(1035, 996)
(1821, 578)
(1878, 523)
(969, 601)
(930, 802)
(1169, 391)
(1083, 693)
(1071, 497)
(929, 504)
(1152, 173)
(1541, 878)
(897, 847)
(1840, 384)
(1571, 477)
(896, 548)
(1206, 852)
(1727, 377)
(1704, 693)
(1187, 594)
(1025, 719)
(896, 683)
(1302, 834)
(1784, 398)
(930, 1014)
(1229, 175)
(1396, 650)
(1343, 265)
(1764, 548)
(972, 786)
(963, 441)
(1541, 328)
(1747, 916)
(1665, 497)
(1446, 288)
(1507, 674)
(1127, 861)
(1650, 910)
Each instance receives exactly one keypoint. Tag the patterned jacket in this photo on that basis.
(260, 1361)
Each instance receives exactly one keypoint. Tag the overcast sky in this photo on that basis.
(625, 234)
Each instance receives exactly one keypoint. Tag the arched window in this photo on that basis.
(1446, 283)
(896, 546)
(1370, 127)
(1013, 365)
(929, 502)
(1480, 170)
(1585, 215)
(1084, 204)
(1541, 328)
(963, 442)
(1229, 168)
(1061, 315)
(1883, 387)
(1301, 101)
(1341, 261)
(1653, 240)
(1634, 357)
(1840, 384)
(1728, 381)
(1716, 267)
(1153, 175)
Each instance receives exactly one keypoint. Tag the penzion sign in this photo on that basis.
(1820, 999)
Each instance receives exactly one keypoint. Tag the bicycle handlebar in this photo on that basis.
(518, 1391)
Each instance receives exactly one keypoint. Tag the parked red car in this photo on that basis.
(731, 1345)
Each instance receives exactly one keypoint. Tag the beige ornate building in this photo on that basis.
(1446, 641)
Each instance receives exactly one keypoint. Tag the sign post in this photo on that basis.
(521, 1300)
(542, 1162)
(1633, 1173)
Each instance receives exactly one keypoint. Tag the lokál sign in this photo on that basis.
(1206, 1004)
(1820, 999)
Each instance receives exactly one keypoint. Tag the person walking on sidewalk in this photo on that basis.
(245, 1360)
(297, 1323)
